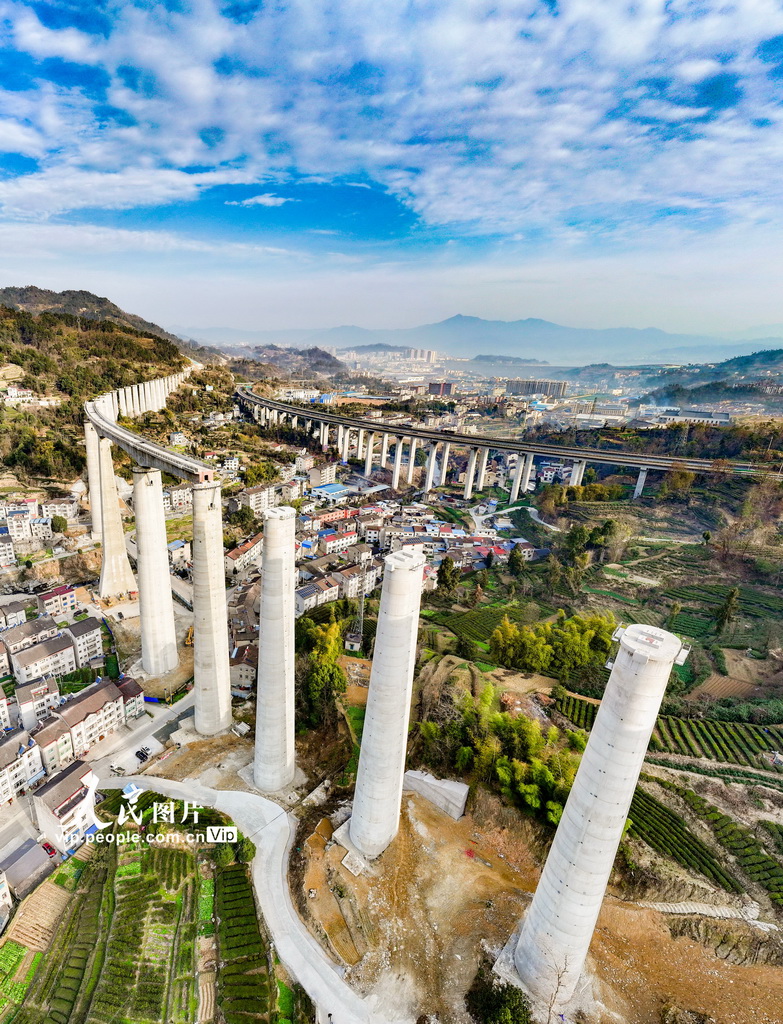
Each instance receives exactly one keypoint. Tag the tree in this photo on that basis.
(727, 610)
(245, 850)
(476, 596)
(448, 575)
(490, 558)
(467, 648)
(59, 524)
(243, 517)
(516, 561)
(224, 855)
(706, 537)
(482, 578)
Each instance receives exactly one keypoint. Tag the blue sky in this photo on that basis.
(263, 162)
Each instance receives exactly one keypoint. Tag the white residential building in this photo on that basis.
(50, 658)
(245, 554)
(5, 713)
(259, 499)
(66, 506)
(26, 634)
(35, 701)
(324, 474)
(13, 614)
(180, 497)
(92, 714)
(7, 554)
(65, 806)
(87, 640)
(20, 764)
(304, 463)
(58, 602)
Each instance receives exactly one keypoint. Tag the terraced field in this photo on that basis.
(733, 742)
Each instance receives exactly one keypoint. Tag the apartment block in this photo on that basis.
(20, 764)
(26, 634)
(58, 602)
(35, 701)
(65, 806)
(87, 640)
(50, 658)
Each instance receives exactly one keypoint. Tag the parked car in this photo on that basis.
(49, 849)
(142, 756)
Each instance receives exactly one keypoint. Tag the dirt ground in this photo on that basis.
(214, 762)
(747, 677)
(412, 933)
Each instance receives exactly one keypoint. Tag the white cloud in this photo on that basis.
(488, 117)
(267, 199)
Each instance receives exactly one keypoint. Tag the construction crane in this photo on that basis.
(189, 637)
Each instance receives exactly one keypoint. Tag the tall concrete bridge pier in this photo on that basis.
(376, 803)
(104, 427)
(274, 763)
(559, 924)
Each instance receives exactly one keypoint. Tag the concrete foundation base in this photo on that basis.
(583, 999)
(354, 859)
(446, 794)
(288, 796)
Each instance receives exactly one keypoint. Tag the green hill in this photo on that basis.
(78, 304)
(71, 358)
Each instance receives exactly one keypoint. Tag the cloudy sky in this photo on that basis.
(274, 163)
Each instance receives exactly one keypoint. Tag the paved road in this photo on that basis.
(273, 831)
(120, 746)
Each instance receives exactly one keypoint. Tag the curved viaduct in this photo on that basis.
(266, 410)
(159, 655)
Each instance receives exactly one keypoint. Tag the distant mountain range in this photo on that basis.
(525, 340)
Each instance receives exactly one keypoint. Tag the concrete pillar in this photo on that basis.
(368, 454)
(376, 803)
(116, 575)
(161, 394)
(384, 450)
(294, 422)
(482, 469)
(559, 924)
(156, 606)
(412, 458)
(578, 472)
(444, 463)
(274, 763)
(212, 682)
(432, 454)
(397, 464)
(641, 480)
(469, 474)
(346, 445)
(115, 404)
(360, 444)
(521, 475)
(340, 438)
(92, 444)
(134, 400)
(122, 400)
(324, 435)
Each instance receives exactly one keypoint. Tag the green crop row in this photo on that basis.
(737, 840)
(734, 742)
(668, 834)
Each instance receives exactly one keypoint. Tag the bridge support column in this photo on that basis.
(121, 401)
(444, 463)
(360, 445)
(156, 606)
(397, 464)
(482, 469)
(376, 803)
(368, 454)
(412, 459)
(275, 752)
(431, 462)
(641, 480)
(384, 450)
(470, 472)
(560, 921)
(324, 435)
(92, 444)
(578, 472)
(212, 681)
(346, 445)
(116, 575)
(340, 438)
(521, 475)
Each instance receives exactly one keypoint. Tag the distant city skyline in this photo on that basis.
(285, 166)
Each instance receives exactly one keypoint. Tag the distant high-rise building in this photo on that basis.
(444, 387)
(551, 388)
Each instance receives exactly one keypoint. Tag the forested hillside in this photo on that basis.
(73, 359)
(77, 304)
